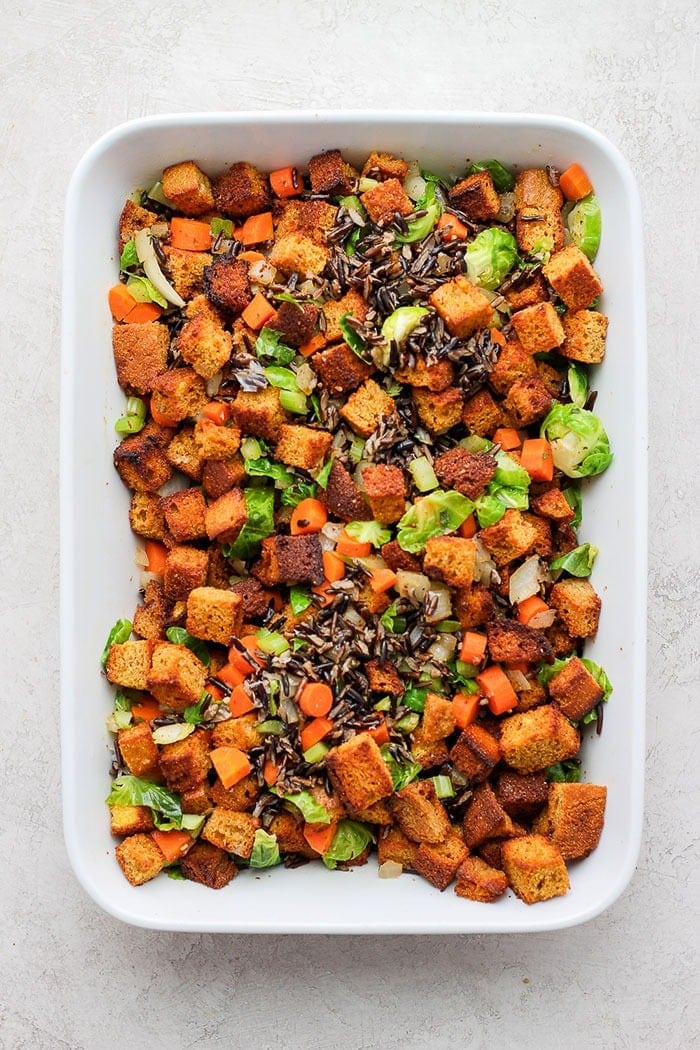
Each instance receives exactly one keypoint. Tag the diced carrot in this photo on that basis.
(536, 458)
(507, 437)
(215, 692)
(238, 660)
(257, 228)
(380, 733)
(316, 342)
(308, 516)
(451, 228)
(497, 336)
(382, 580)
(172, 844)
(315, 731)
(465, 707)
(251, 644)
(258, 312)
(142, 313)
(320, 836)
(518, 665)
(316, 699)
(574, 183)
(468, 528)
(159, 417)
(324, 591)
(333, 566)
(251, 256)
(230, 675)
(121, 301)
(270, 772)
(218, 412)
(352, 548)
(531, 607)
(146, 711)
(497, 689)
(231, 764)
(239, 702)
(285, 182)
(157, 554)
(190, 235)
(473, 648)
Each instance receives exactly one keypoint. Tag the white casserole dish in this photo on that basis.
(100, 580)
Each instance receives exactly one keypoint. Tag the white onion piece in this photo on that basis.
(289, 686)
(160, 229)
(176, 483)
(543, 619)
(485, 571)
(151, 267)
(141, 558)
(518, 680)
(507, 209)
(262, 272)
(172, 733)
(288, 711)
(332, 529)
(443, 607)
(146, 577)
(213, 384)
(390, 869)
(443, 648)
(412, 585)
(306, 378)
(526, 580)
(414, 184)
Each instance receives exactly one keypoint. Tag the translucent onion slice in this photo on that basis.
(414, 184)
(412, 585)
(543, 619)
(526, 580)
(172, 733)
(390, 869)
(151, 267)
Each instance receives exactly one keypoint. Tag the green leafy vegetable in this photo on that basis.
(265, 468)
(600, 676)
(179, 636)
(577, 562)
(284, 378)
(266, 852)
(120, 633)
(490, 257)
(270, 727)
(349, 841)
(194, 714)
(144, 291)
(585, 225)
(260, 522)
(129, 256)
(128, 790)
(311, 810)
(503, 180)
(324, 473)
(580, 446)
(577, 378)
(287, 297)
(402, 773)
(414, 698)
(420, 228)
(368, 532)
(508, 488)
(298, 491)
(433, 515)
(572, 495)
(299, 598)
(269, 344)
(566, 772)
(351, 337)
(353, 240)
(399, 324)
(392, 621)
(221, 226)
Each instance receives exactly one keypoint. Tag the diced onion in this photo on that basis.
(412, 585)
(485, 571)
(213, 384)
(443, 648)
(141, 558)
(390, 869)
(262, 272)
(330, 534)
(543, 619)
(414, 184)
(518, 680)
(443, 607)
(172, 733)
(151, 267)
(507, 209)
(146, 577)
(306, 378)
(526, 580)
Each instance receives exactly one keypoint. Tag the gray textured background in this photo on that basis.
(69, 975)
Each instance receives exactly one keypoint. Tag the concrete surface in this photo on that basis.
(70, 976)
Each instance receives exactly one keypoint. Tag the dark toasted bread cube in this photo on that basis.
(330, 174)
(179, 394)
(439, 412)
(259, 413)
(186, 763)
(386, 491)
(197, 799)
(438, 863)
(528, 400)
(476, 197)
(466, 472)
(343, 497)
(535, 868)
(255, 600)
(184, 515)
(339, 369)
(140, 354)
(188, 188)
(420, 814)
(462, 306)
(358, 773)
(397, 558)
(226, 516)
(381, 166)
(522, 794)
(128, 664)
(300, 446)
(392, 844)
(366, 407)
(533, 740)
(484, 817)
(473, 606)
(552, 504)
(230, 831)
(481, 415)
(384, 678)
(139, 858)
(290, 559)
(184, 454)
(176, 677)
(578, 606)
(438, 718)
(384, 201)
(185, 569)
(209, 865)
(478, 881)
(526, 293)
(241, 191)
(295, 323)
(573, 278)
(130, 820)
(221, 475)
(141, 463)
(139, 750)
(575, 690)
(132, 219)
(475, 753)
(226, 284)
(573, 818)
(239, 798)
(435, 376)
(378, 813)
(428, 753)
(513, 642)
(149, 618)
(214, 615)
(450, 558)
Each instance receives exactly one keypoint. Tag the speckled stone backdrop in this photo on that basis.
(69, 975)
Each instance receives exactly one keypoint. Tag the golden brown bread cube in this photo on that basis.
(241, 191)
(214, 615)
(481, 414)
(139, 750)
(216, 442)
(584, 336)
(577, 605)
(473, 606)
(438, 718)
(209, 865)
(509, 538)
(225, 517)
(351, 303)
(146, 516)
(358, 772)
(140, 354)
(438, 863)
(384, 678)
(231, 831)
(205, 345)
(130, 820)
(428, 753)
(239, 798)
(538, 327)
(188, 188)
(186, 763)
(528, 400)
(186, 270)
(385, 487)
(532, 740)
(184, 454)
(484, 817)
(462, 306)
(439, 411)
(128, 664)
(538, 219)
(184, 515)
(450, 558)
(185, 568)
(339, 369)
(179, 394)
(176, 677)
(435, 376)
(221, 475)
(132, 219)
(526, 293)
(392, 844)
(535, 868)
(290, 835)
(514, 362)
(237, 732)
(552, 504)
(139, 858)
(300, 446)
(365, 408)
(573, 278)
(197, 799)
(310, 218)
(295, 253)
(259, 413)
(149, 618)
(419, 812)
(573, 818)
(479, 881)
(475, 753)
(382, 202)
(575, 690)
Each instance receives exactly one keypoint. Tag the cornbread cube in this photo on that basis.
(562, 643)
(573, 278)
(237, 732)
(149, 618)
(533, 696)
(205, 345)
(575, 690)
(358, 773)
(522, 794)
(484, 817)
(397, 558)
(227, 286)
(382, 202)
(528, 400)
(334, 309)
(510, 641)
(241, 191)
(538, 327)
(450, 558)
(386, 491)
(563, 538)
(428, 753)
(184, 515)
(290, 835)
(146, 516)
(186, 763)
(176, 677)
(184, 454)
(553, 379)
(294, 322)
(139, 858)
(295, 253)
(216, 442)
(441, 411)
(371, 603)
(139, 750)
(187, 188)
(233, 832)
(330, 174)
(214, 615)
(542, 543)
(435, 376)
(185, 568)
(584, 336)
(197, 799)
(221, 475)
(384, 678)
(304, 447)
(365, 408)
(310, 218)
(339, 369)
(239, 798)
(481, 415)
(462, 306)
(420, 814)
(473, 606)
(259, 413)
(573, 818)
(256, 601)
(392, 844)
(186, 270)
(535, 868)
(226, 516)
(140, 354)
(478, 881)
(141, 463)
(526, 293)
(438, 863)
(379, 813)
(538, 220)
(132, 219)
(438, 718)
(509, 538)
(533, 740)
(208, 865)
(466, 472)
(476, 753)
(290, 559)
(128, 664)
(552, 504)
(180, 393)
(382, 166)
(577, 605)
(514, 362)
(130, 820)
(476, 197)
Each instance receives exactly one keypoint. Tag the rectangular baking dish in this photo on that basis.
(99, 580)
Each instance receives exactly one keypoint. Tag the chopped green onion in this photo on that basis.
(423, 474)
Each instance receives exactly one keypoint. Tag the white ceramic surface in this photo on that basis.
(100, 582)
